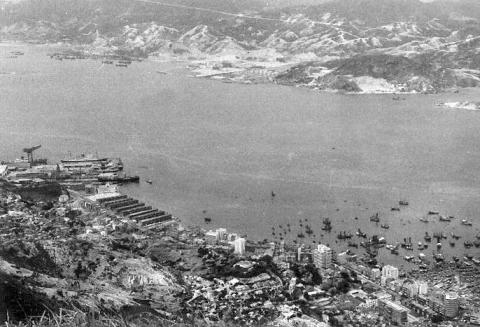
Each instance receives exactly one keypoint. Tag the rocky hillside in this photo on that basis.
(355, 45)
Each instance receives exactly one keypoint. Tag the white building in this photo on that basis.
(390, 272)
(422, 287)
(239, 245)
(322, 256)
(375, 273)
(450, 303)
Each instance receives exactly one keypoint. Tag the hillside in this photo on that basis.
(410, 45)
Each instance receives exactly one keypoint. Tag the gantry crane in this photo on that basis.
(29, 152)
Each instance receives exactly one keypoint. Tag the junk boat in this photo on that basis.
(361, 234)
(456, 237)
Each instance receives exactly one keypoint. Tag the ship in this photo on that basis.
(117, 178)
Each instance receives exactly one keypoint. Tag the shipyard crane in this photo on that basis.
(29, 152)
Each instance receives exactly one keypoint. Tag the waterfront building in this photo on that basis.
(392, 311)
(451, 304)
(299, 253)
(239, 245)
(221, 234)
(211, 237)
(232, 237)
(342, 258)
(322, 256)
(390, 272)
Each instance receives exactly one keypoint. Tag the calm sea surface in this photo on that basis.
(223, 148)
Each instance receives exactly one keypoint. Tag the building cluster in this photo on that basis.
(221, 236)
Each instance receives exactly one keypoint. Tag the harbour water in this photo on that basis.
(218, 150)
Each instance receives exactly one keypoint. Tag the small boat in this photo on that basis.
(300, 235)
(476, 243)
(108, 62)
(439, 245)
(207, 219)
(467, 244)
(352, 244)
(427, 237)
(119, 64)
(375, 218)
(452, 244)
(424, 219)
(432, 212)
(403, 203)
(408, 258)
(394, 251)
(395, 209)
(149, 181)
(466, 222)
(385, 226)
(456, 237)
(443, 218)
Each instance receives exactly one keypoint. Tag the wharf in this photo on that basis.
(133, 209)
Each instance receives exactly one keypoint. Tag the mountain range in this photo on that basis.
(350, 45)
